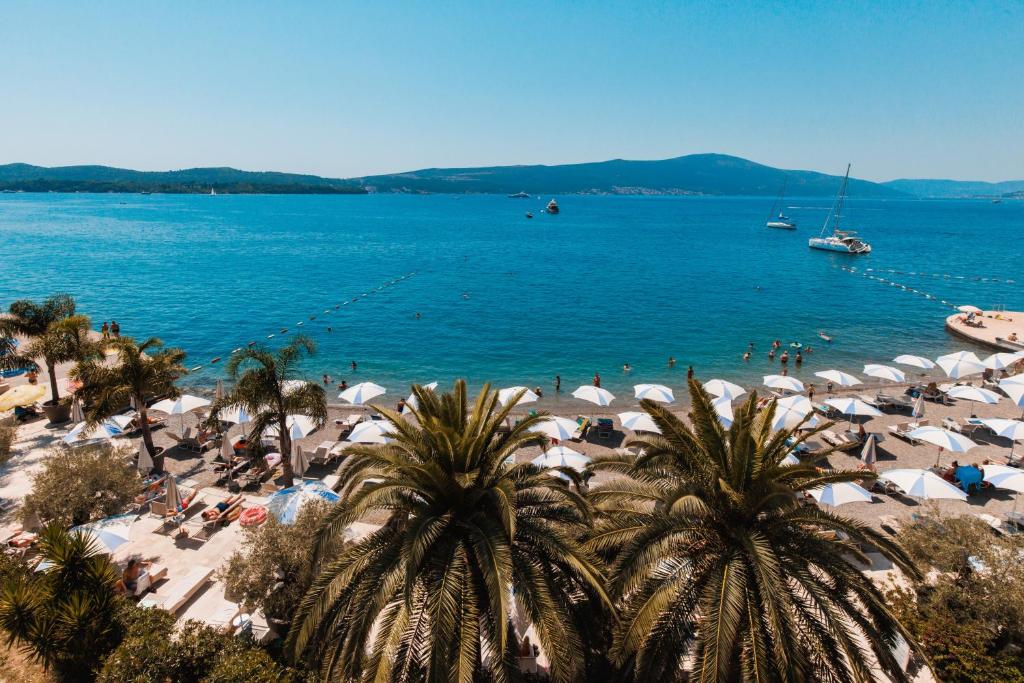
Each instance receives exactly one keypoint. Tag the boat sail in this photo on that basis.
(782, 221)
(845, 241)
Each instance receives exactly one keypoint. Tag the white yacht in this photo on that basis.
(782, 221)
(845, 241)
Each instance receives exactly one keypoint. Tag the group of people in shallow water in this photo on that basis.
(798, 356)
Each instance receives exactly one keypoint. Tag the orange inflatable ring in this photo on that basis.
(253, 516)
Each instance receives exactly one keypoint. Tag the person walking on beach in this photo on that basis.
(689, 373)
(597, 380)
(558, 383)
(115, 329)
(810, 392)
(105, 330)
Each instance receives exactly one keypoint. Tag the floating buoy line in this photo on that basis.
(870, 274)
(936, 276)
(331, 310)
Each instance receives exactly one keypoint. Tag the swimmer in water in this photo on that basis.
(771, 354)
(625, 367)
(746, 355)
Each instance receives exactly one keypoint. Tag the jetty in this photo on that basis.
(1003, 330)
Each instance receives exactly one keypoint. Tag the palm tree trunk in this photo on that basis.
(54, 394)
(147, 435)
(286, 451)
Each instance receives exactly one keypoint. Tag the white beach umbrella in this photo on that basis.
(638, 422)
(412, 403)
(558, 428)
(359, 394)
(180, 405)
(111, 533)
(507, 394)
(235, 414)
(1002, 361)
(371, 431)
(838, 377)
(969, 309)
(560, 456)
(923, 484)
(82, 433)
(655, 392)
(300, 463)
(722, 388)
(943, 438)
(1002, 477)
(290, 385)
(299, 427)
(886, 372)
(1014, 389)
(145, 463)
(1013, 379)
(960, 364)
(1008, 429)
(77, 414)
(976, 394)
(790, 460)
(790, 411)
(919, 362)
(784, 382)
(123, 420)
(850, 406)
(840, 494)
(596, 395)
(723, 408)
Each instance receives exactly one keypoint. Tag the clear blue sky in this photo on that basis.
(900, 89)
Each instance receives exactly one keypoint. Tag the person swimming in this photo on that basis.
(746, 355)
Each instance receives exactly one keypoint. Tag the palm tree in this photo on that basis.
(64, 616)
(470, 537)
(141, 370)
(717, 565)
(55, 334)
(266, 385)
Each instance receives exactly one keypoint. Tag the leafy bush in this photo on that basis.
(153, 650)
(8, 431)
(79, 485)
(968, 613)
(275, 567)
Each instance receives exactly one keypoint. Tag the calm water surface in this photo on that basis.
(610, 280)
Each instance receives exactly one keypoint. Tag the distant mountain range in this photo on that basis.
(956, 189)
(694, 174)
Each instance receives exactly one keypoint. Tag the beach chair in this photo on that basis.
(583, 424)
(891, 524)
(260, 628)
(150, 575)
(223, 618)
(181, 591)
(605, 427)
(322, 454)
(1015, 519)
(209, 526)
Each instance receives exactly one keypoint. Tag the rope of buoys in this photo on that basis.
(327, 311)
(941, 276)
(891, 283)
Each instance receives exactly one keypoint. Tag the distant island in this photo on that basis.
(694, 174)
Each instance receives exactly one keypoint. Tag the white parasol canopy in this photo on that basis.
(790, 411)
(840, 494)
(960, 364)
(359, 394)
(181, 405)
(111, 533)
(848, 405)
(914, 361)
(82, 433)
(506, 395)
(560, 456)
(654, 392)
(559, 428)
(923, 484)
(784, 382)
(235, 414)
(886, 372)
(371, 431)
(299, 426)
(723, 408)
(638, 422)
(843, 379)
(1002, 361)
(412, 403)
(596, 395)
(943, 438)
(721, 388)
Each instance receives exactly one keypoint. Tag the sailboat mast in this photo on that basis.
(778, 200)
(842, 196)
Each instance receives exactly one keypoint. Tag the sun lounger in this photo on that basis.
(223, 619)
(180, 591)
(150, 575)
(331, 481)
(209, 526)
(1015, 519)
(322, 455)
(890, 524)
(260, 628)
(605, 426)
(583, 424)
(993, 522)
(838, 441)
(258, 476)
(888, 401)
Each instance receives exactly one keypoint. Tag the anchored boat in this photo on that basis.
(845, 241)
(553, 207)
(782, 221)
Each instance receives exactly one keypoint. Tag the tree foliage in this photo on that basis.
(431, 592)
(717, 565)
(78, 485)
(274, 567)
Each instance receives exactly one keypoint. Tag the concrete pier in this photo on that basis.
(1003, 330)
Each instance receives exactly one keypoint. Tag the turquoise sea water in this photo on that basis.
(610, 280)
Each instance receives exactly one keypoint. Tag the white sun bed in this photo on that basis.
(180, 591)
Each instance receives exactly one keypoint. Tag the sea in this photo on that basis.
(421, 288)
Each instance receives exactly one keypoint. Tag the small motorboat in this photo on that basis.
(529, 215)
(553, 207)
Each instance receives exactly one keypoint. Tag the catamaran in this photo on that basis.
(845, 241)
(782, 222)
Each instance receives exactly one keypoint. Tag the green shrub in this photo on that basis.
(76, 486)
(8, 432)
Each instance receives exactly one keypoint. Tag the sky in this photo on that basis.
(899, 89)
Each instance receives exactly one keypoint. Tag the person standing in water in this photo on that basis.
(558, 383)
(689, 373)
(597, 380)
(671, 361)
(353, 366)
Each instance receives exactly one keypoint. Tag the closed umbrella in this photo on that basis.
(838, 377)
(960, 364)
(722, 388)
(111, 533)
(286, 503)
(869, 454)
(145, 463)
(595, 395)
(227, 449)
(638, 422)
(300, 463)
(923, 484)
(77, 414)
(918, 409)
(840, 494)
(21, 396)
(790, 412)
(919, 362)
(359, 394)
(507, 394)
(373, 431)
(1008, 429)
(886, 372)
(654, 392)
(558, 428)
(783, 382)
(173, 499)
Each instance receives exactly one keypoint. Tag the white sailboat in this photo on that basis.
(845, 241)
(782, 221)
